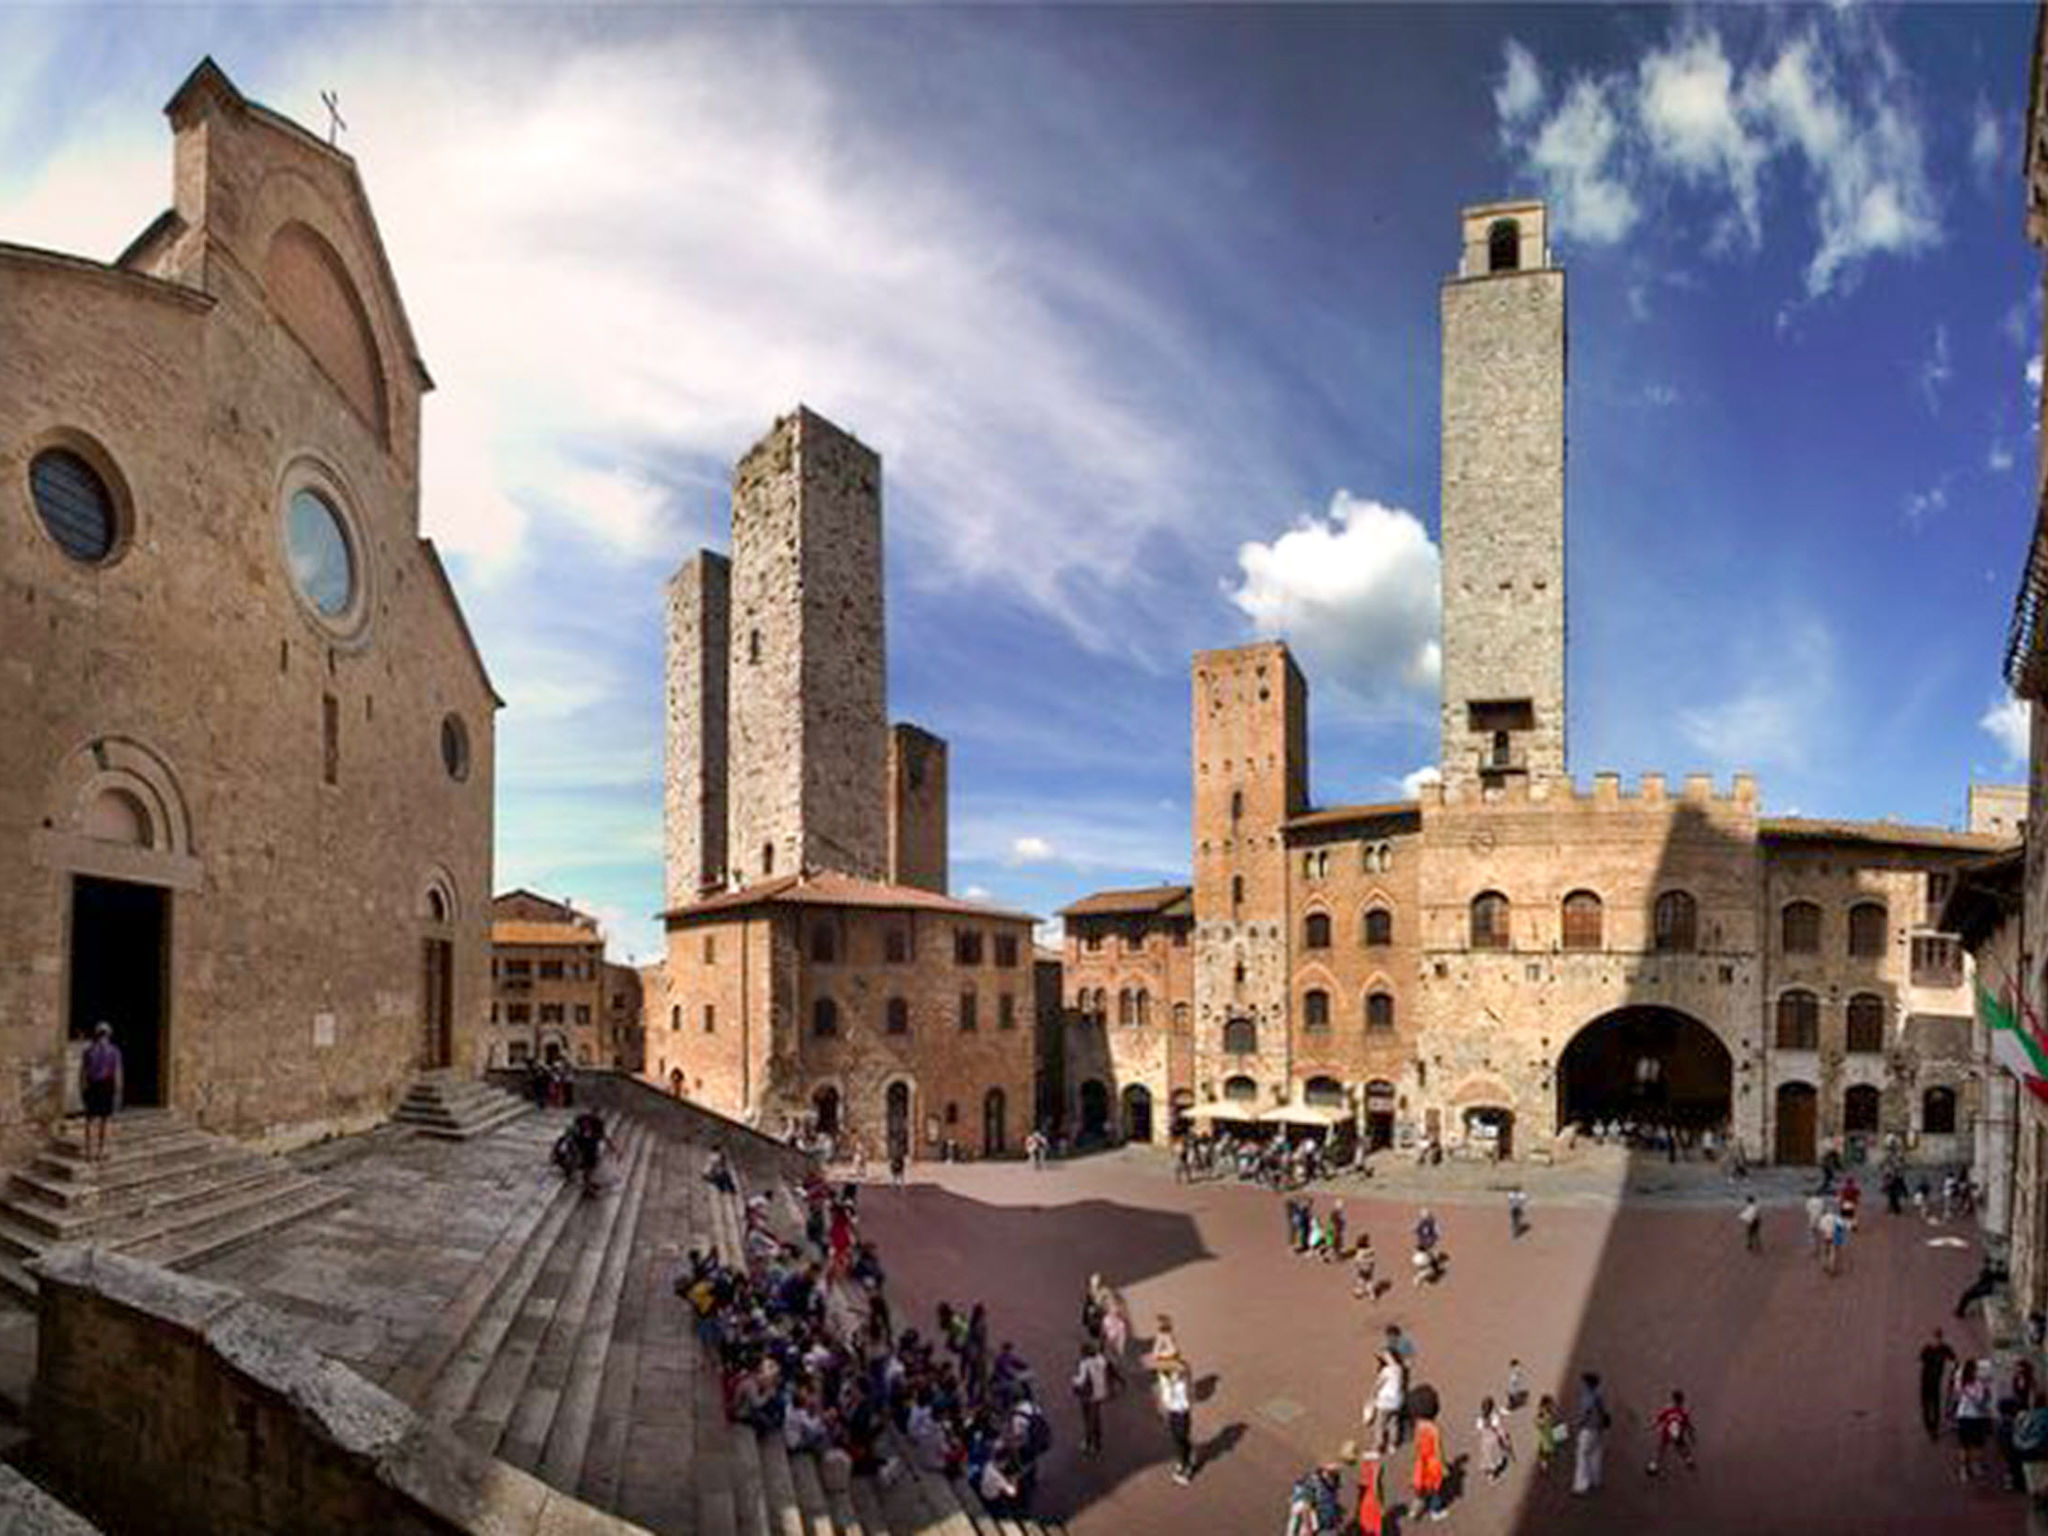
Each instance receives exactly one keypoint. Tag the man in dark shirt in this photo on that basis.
(1936, 1359)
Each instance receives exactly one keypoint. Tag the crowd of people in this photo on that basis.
(1274, 1161)
(807, 1348)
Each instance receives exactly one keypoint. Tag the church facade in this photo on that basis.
(1514, 953)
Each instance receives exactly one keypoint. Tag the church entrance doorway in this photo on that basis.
(437, 1004)
(1798, 1105)
(120, 966)
(1647, 1065)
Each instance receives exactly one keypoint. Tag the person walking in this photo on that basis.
(1496, 1449)
(1426, 1239)
(1518, 1212)
(1429, 1468)
(1752, 1219)
(1551, 1433)
(1176, 1406)
(1336, 1220)
(1936, 1361)
(1974, 1413)
(1364, 1282)
(1091, 1390)
(1371, 1509)
(1389, 1396)
(1816, 1209)
(1834, 1237)
(897, 1162)
(1591, 1424)
(1673, 1433)
(1518, 1387)
(100, 1083)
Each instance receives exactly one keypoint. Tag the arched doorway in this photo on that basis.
(1182, 1103)
(1647, 1064)
(825, 1110)
(1491, 1128)
(1797, 1103)
(1137, 1113)
(1094, 1108)
(1379, 1114)
(993, 1141)
(896, 1119)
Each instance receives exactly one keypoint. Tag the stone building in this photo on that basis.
(245, 785)
(548, 984)
(625, 1035)
(1128, 971)
(816, 971)
(1511, 954)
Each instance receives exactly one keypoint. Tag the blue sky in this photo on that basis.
(1139, 307)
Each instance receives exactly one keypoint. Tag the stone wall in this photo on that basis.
(694, 768)
(174, 711)
(166, 1403)
(717, 1001)
(1503, 499)
(807, 698)
(917, 809)
(1117, 1050)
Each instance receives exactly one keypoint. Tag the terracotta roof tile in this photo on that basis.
(828, 888)
(1341, 815)
(1144, 899)
(1898, 834)
(513, 932)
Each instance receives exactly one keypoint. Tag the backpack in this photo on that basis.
(1037, 1434)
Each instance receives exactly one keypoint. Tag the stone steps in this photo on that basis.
(457, 1109)
(167, 1192)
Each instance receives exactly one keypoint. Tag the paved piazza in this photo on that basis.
(1803, 1387)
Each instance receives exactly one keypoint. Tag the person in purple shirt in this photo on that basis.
(100, 1081)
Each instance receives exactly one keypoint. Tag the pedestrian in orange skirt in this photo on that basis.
(1371, 1516)
(1429, 1468)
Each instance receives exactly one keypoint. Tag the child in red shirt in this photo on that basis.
(1674, 1434)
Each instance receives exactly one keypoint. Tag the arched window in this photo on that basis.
(1799, 928)
(1315, 931)
(1241, 1037)
(1798, 1021)
(898, 1016)
(1379, 1010)
(1144, 1007)
(1315, 1009)
(675, 1017)
(1859, 1109)
(1180, 1015)
(1503, 246)
(1582, 920)
(1124, 1014)
(1676, 924)
(1322, 864)
(1240, 1090)
(1867, 929)
(1938, 1112)
(1325, 1092)
(824, 945)
(1379, 928)
(1237, 890)
(1489, 920)
(1866, 1023)
(824, 1018)
(1237, 805)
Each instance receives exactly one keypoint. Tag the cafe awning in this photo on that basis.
(1305, 1114)
(1242, 1114)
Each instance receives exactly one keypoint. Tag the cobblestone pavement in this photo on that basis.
(1803, 1386)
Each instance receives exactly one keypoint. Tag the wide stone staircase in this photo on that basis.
(567, 1353)
(166, 1192)
(439, 1103)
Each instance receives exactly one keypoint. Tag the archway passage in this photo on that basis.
(1137, 1113)
(1647, 1064)
(119, 961)
(1094, 1107)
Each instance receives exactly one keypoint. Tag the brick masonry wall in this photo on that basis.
(298, 908)
(1116, 1054)
(694, 786)
(917, 809)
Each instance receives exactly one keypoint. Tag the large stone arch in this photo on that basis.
(1649, 1063)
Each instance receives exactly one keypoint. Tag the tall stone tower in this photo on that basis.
(1503, 502)
(1251, 774)
(807, 704)
(693, 778)
(917, 808)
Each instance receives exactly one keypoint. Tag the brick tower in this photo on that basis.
(808, 735)
(1503, 502)
(693, 777)
(1251, 774)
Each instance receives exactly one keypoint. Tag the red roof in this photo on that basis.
(1144, 899)
(1342, 815)
(829, 888)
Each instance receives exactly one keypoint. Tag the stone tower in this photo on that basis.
(1503, 502)
(917, 808)
(693, 778)
(806, 697)
(1251, 774)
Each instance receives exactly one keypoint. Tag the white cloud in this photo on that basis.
(1936, 370)
(1920, 505)
(1520, 91)
(977, 893)
(1689, 113)
(1031, 850)
(1412, 781)
(2007, 723)
(1987, 144)
(1575, 156)
(1999, 457)
(1050, 933)
(2034, 376)
(1660, 395)
(1356, 592)
(1775, 720)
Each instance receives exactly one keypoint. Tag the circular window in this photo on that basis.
(322, 565)
(455, 747)
(75, 505)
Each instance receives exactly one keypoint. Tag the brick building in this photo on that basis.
(245, 785)
(1128, 973)
(625, 1035)
(548, 984)
(1510, 954)
(816, 971)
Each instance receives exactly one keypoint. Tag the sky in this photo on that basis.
(1139, 306)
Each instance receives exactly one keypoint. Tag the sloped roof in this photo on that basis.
(544, 933)
(1986, 891)
(829, 888)
(1343, 815)
(1142, 900)
(1893, 833)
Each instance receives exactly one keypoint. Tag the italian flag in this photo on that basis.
(2016, 1043)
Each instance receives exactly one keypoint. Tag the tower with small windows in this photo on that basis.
(1503, 502)
(1251, 775)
